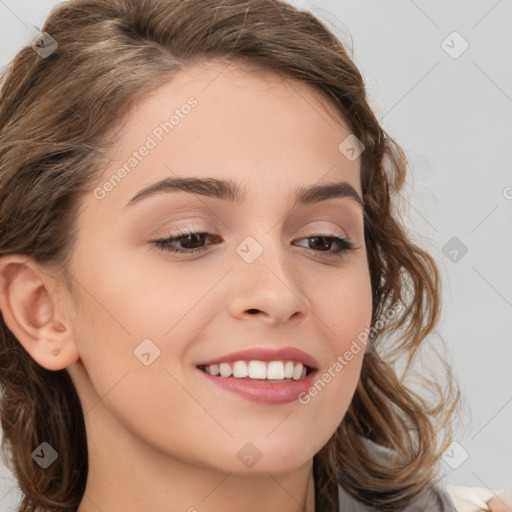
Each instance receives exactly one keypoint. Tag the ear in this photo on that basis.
(28, 300)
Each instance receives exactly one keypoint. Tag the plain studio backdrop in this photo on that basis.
(440, 80)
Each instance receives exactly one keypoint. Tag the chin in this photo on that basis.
(264, 457)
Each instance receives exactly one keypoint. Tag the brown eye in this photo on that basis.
(323, 244)
(185, 241)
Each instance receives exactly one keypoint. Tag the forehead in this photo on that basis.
(243, 86)
(237, 123)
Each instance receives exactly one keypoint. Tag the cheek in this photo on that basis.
(344, 307)
(344, 310)
(123, 303)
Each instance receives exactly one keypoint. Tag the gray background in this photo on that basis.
(453, 117)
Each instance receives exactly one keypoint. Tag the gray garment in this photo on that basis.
(436, 500)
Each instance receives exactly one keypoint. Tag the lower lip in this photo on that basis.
(263, 392)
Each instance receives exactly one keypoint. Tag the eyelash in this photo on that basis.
(164, 244)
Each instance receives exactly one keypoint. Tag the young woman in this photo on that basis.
(205, 289)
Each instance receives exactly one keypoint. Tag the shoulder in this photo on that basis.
(477, 499)
(436, 499)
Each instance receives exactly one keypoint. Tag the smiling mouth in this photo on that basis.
(271, 371)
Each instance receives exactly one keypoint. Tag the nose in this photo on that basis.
(267, 288)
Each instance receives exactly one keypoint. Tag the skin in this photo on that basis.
(161, 437)
(500, 504)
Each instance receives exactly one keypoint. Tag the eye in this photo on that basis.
(191, 241)
(325, 242)
(187, 241)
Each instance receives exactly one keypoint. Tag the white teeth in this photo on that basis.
(288, 370)
(225, 370)
(257, 370)
(273, 370)
(240, 369)
(297, 371)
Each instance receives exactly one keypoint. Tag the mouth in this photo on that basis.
(263, 382)
(278, 371)
(266, 375)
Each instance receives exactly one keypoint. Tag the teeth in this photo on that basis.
(257, 370)
(288, 370)
(240, 369)
(273, 370)
(225, 370)
(297, 371)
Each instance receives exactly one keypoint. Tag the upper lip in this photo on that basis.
(266, 354)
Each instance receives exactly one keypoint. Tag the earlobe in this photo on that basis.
(27, 303)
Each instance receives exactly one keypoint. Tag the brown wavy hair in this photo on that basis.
(58, 119)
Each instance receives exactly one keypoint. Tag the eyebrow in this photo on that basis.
(230, 191)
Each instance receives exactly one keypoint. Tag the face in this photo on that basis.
(268, 270)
